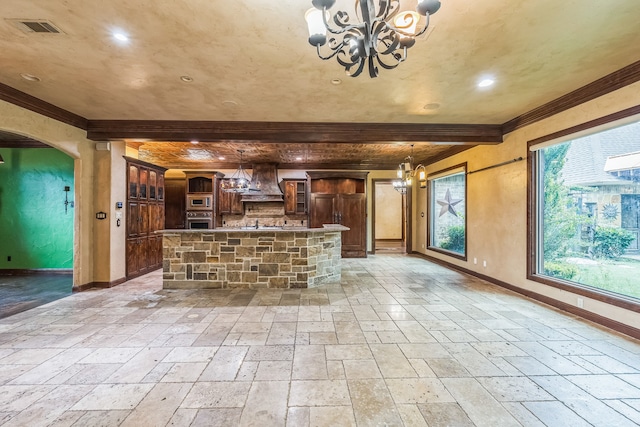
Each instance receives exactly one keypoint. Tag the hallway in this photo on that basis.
(401, 341)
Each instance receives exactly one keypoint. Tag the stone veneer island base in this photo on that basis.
(251, 258)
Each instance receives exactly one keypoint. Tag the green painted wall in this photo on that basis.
(35, 231)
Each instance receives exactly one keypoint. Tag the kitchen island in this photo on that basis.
(251, 258)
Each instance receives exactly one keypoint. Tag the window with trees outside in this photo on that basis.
(448, 211)
(587, 210)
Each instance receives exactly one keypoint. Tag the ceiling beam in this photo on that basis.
(283, 132)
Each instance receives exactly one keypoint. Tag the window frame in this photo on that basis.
(534, 208)
(452, 170)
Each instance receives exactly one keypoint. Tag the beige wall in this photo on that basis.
(497, 204)
(388, 212)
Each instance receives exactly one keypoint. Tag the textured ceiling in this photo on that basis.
(250, 61)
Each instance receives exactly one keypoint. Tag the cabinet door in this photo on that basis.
(301, 197)
(352, 214)
(229, 203)
(133, 219)
(144, 184)
(143, 213)
(133, 180)
(160, 186)
(322, 210)
(132, 257)
(153, 185)
(290, 196)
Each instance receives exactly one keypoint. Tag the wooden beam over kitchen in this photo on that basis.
(279, 132)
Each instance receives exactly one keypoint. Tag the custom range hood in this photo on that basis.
(264, 184)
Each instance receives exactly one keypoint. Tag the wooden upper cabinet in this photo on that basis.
(153, 185)
(229, 203)
(295, 197)
(144, 184)
(133, 180)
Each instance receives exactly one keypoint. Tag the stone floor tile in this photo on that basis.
(319, 393)
(183, 417)
(266, 403)
(331, 416)
(273, 370)
(630, 408)
(309, 362)
(270, 352)
(217, 418)
(299, 416)
(514, 389)
(605, 386)
(479, 405)
(139, 366)
(102, 418)
(411, 416)
(31, 356)
(113, 397)
(225, 364)
(361, 369)
(555, 414)
(183, 372)
(190, 354)
(522, 414)
(372, 403)
(158, 406)
(418, 390)
(217, 395)
(445, 415)
(391, 361)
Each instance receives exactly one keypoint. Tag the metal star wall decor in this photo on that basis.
(448, 204)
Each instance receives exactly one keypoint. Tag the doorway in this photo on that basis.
(389, 219)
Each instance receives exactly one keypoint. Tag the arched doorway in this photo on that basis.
(36, 223)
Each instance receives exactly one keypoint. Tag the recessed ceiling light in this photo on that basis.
(120, 36)
(221, 158)
(186, 79)
(336, 81)
(486, 82)
(30, 77)
(195, 142)
(299, 159)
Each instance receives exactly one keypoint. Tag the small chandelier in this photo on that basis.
(239, 182)
(382, 36)
(406, 172)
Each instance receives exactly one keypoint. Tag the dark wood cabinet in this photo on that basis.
(145, 215)
(340, 198)
(229, 203)
(295, 196)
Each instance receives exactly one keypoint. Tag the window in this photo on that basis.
(587, 210)
(448, 211)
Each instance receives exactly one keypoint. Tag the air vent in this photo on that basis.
(36, 26)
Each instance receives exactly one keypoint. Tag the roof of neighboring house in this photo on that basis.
(587, 156)
(623, 162)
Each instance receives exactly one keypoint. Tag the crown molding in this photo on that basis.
(609, 83)
(39, 106)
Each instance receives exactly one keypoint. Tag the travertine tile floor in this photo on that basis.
(400, 342)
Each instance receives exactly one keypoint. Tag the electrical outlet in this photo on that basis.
(423, 246)
(9, 258)
(580, 302)
(475, 260)
(484, 263)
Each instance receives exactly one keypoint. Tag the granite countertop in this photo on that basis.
(285, 229)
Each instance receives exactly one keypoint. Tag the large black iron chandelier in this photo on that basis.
(239, 181)
(381, 37)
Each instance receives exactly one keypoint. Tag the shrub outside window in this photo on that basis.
(448, 211)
